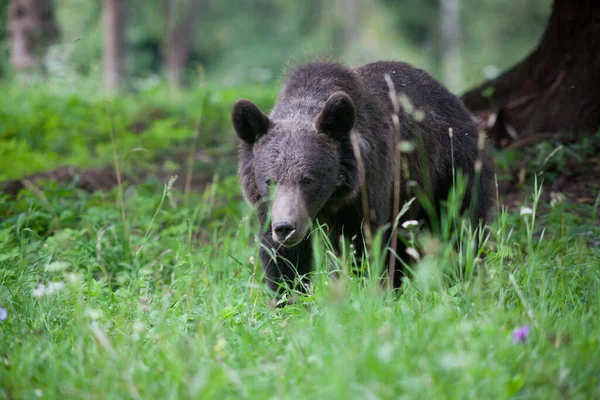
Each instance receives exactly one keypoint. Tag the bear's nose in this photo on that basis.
(283, 229)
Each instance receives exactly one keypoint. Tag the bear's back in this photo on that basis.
(440, 111)
(307, 88)
(423, 91)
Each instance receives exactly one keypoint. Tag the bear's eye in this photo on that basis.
(270, 182)
(306, 181)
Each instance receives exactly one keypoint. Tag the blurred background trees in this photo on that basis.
(114, 50)
(31, 28)
(237, 41)
(126, 44)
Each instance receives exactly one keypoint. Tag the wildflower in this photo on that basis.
(556, 197)
(57, 266)
(138, 327)
(526, 211)
(409, 223)
(39, 291)
(386, 352)
(519, 335)
(3, 313)
(144, 302)
(73, 278)
(411, 251)
(93, 314)
(52, 287)
(219, 347)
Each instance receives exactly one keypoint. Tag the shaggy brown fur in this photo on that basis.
(303, 150)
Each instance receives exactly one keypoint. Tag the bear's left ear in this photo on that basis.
(338, 116)
(248, 121)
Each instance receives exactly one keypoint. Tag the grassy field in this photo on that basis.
(151, 291)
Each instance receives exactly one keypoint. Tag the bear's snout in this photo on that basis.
(284, 232)
(290, 220)
(283, 229)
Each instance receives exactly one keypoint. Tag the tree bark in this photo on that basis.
(451, 61)
(32, 28)
(113, 19)
(179, 37)
(556, 88)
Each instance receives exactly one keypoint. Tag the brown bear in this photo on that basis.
(299, 163)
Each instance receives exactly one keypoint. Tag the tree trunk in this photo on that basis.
(32, 28)
(451, 62)
(113, 18)
(179, 37)
(556, 88)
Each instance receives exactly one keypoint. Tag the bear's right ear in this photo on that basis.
(248, 121)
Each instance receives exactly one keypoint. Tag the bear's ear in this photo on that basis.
(248, 121)
(338, 116)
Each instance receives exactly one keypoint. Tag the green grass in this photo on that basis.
(162, 297)
(43, 128)
(165, 304)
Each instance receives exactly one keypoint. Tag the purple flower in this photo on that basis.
(519, 335)
(3, 313)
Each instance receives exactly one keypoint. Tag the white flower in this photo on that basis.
(138, 327)
(57, 266)
(52, 287)
(556, 197)
(386, 352)
(526, 211)
(73, 278)
(39, 291)
(409, 223)
(93, 314)
(411, 251)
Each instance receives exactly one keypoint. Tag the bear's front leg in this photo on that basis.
(285, 267)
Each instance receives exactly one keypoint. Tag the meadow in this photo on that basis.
(151, 288)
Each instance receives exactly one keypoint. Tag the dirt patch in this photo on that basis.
(90, 180)
(105, 178)
(581, 185)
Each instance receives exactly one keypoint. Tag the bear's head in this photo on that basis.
(296, 161)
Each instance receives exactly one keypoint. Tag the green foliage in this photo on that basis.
(548, 159)
(168, 303)
(41, 130)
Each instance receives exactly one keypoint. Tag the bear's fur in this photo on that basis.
(304, 151)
